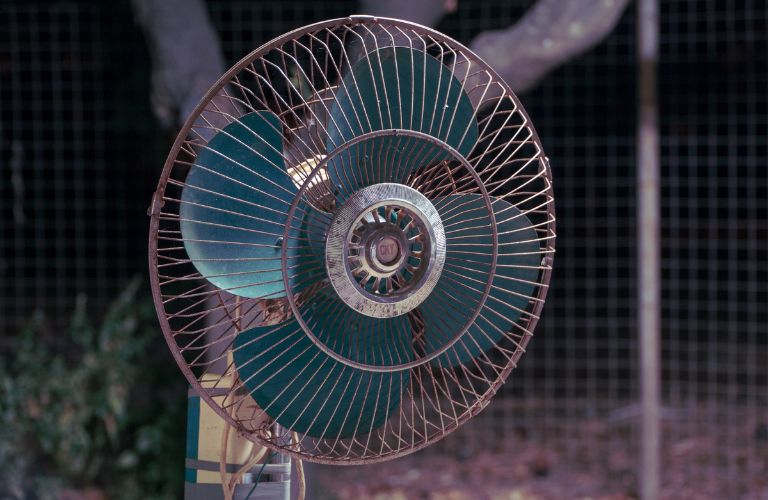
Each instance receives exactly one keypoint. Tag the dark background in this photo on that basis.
(80, 153)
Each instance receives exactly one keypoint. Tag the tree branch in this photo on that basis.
(186, 55)
(550, 33)
(426, 12)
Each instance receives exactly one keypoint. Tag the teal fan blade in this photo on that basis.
(306, 390)
(396, 88)
(517, 272)
(233, 211)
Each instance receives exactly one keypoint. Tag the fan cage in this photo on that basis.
(200, 321)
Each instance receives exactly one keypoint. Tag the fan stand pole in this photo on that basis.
(211, 440)
(273, 472)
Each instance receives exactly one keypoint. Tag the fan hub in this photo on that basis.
(385, 250)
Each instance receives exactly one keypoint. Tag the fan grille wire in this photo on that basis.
(297, 77)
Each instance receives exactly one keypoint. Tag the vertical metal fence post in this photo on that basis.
(649, 247)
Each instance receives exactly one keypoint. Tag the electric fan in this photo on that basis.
(351, 240)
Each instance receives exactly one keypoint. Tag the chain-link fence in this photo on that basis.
(80, 153)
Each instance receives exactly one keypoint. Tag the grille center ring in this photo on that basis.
(385, 250)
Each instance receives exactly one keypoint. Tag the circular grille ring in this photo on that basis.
(399, 222)
(343, 280)
(245, 204)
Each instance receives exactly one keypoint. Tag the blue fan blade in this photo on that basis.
(361, 338)
(306, 390)
(403, 88)
(234, 206)
(517, 262)
(380, 159)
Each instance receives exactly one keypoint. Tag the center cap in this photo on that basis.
(386, 250)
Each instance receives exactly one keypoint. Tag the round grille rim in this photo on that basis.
(156, 210)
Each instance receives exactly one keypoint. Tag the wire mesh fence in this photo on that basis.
(714, 73)
(80, 153)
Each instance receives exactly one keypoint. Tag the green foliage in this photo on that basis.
(101, 408)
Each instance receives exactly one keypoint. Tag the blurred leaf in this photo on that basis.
(78, 415)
